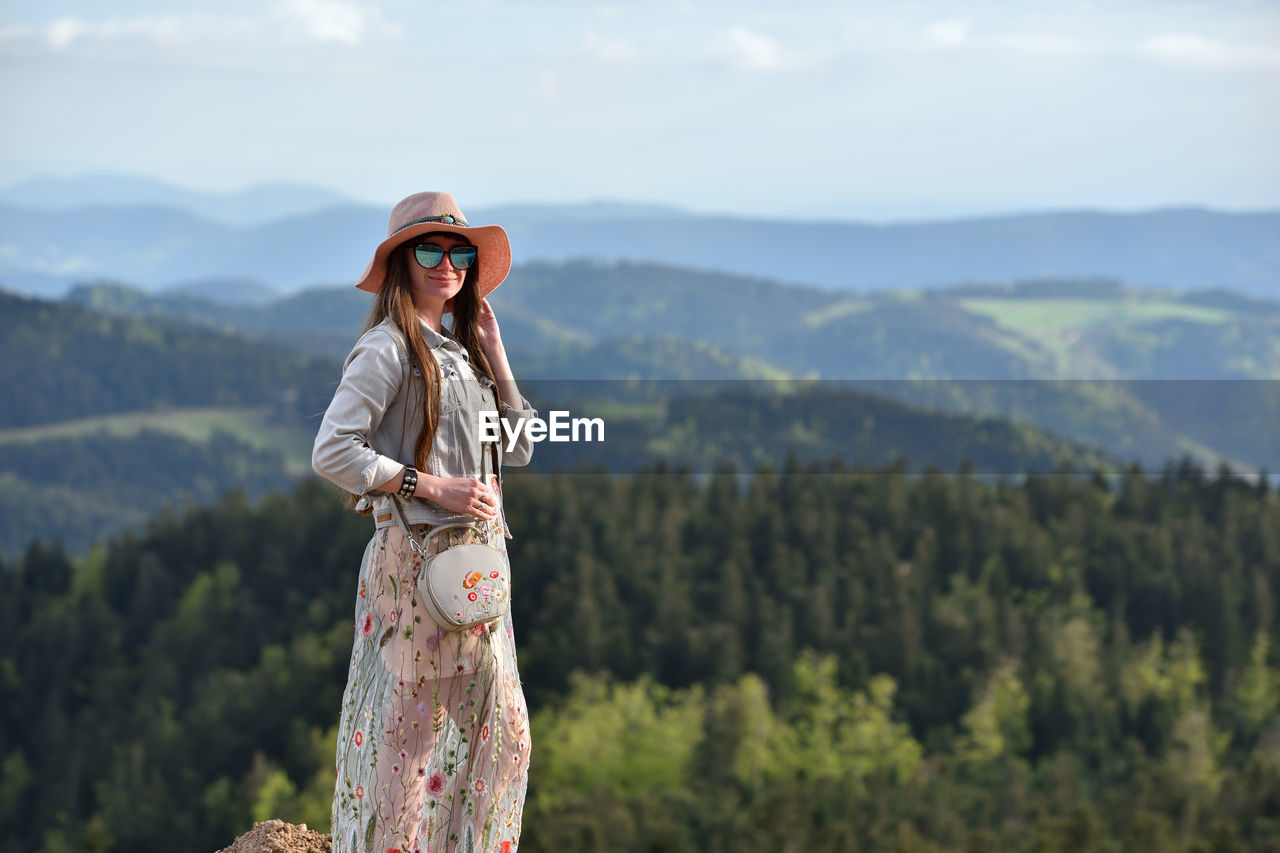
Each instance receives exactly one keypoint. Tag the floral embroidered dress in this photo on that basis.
(433, 742)
(433, 738)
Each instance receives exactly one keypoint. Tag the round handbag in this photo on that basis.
(464, 585)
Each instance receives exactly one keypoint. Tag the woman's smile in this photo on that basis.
(443, 281)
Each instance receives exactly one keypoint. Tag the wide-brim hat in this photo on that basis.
(422, 213)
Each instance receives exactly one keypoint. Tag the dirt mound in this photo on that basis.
(276, 836)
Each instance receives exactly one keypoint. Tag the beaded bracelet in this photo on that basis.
(410, 483)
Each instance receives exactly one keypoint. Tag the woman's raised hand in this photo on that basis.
(487, 327)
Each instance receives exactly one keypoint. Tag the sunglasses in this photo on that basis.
(429, 255)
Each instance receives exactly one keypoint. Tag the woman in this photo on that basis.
(433, 740)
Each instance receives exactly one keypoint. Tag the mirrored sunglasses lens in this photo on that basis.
(428, 256)
(463, 257)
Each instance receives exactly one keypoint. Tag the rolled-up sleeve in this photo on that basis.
(371, 378)
(512, 416)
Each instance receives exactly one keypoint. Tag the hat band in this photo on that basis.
(447, 219)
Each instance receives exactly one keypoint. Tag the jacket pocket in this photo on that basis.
(452, 391)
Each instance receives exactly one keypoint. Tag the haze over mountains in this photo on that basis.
(55, 233)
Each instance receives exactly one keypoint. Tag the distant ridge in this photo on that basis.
(166, 235)
(254, 205)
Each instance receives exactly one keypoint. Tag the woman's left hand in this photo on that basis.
(487, 328)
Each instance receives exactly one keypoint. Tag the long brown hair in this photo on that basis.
(395, 301)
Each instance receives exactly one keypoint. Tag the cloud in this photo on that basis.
(609, 50)
(1197, 51)
(333, 20)
(315, 21)
(67, 32)
(1183, 49)
(739, 47)
(752, 51)
(62, 32)
(947, 34)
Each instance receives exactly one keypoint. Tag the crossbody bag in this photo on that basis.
(463, 585)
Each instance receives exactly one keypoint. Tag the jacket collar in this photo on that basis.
(435, 339)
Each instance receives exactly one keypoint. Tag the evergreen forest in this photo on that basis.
(812, 658)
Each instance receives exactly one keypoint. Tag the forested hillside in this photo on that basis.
(112, 418)
(554, 314)
(822, 659)
(60, 361)
(80, 490)
(197, 412)
(1141, 374)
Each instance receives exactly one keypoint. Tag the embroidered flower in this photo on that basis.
(359, 737)
(359, 792)
(435, 785)
(366, 627)
(484, 733)
(479, 786)
(432, 642)
(422, 709)
(395, 768)
(394, 616)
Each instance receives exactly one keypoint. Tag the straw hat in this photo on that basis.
(422, 213)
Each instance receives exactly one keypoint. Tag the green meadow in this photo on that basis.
(250, 424)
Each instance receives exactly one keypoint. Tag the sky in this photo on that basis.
(886, 111)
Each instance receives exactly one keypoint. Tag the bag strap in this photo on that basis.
(421, 548)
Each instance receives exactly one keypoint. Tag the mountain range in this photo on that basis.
(558, 316)
(1016, 374)
(1144, 374)
(54, 234)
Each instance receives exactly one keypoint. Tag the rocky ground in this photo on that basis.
(276, 836)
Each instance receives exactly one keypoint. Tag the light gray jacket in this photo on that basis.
(370, 427)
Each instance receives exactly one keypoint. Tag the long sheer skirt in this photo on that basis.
(433, 741)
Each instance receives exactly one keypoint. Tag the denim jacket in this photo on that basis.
(369, 429)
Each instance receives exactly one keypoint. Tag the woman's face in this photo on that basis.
(442, 282)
